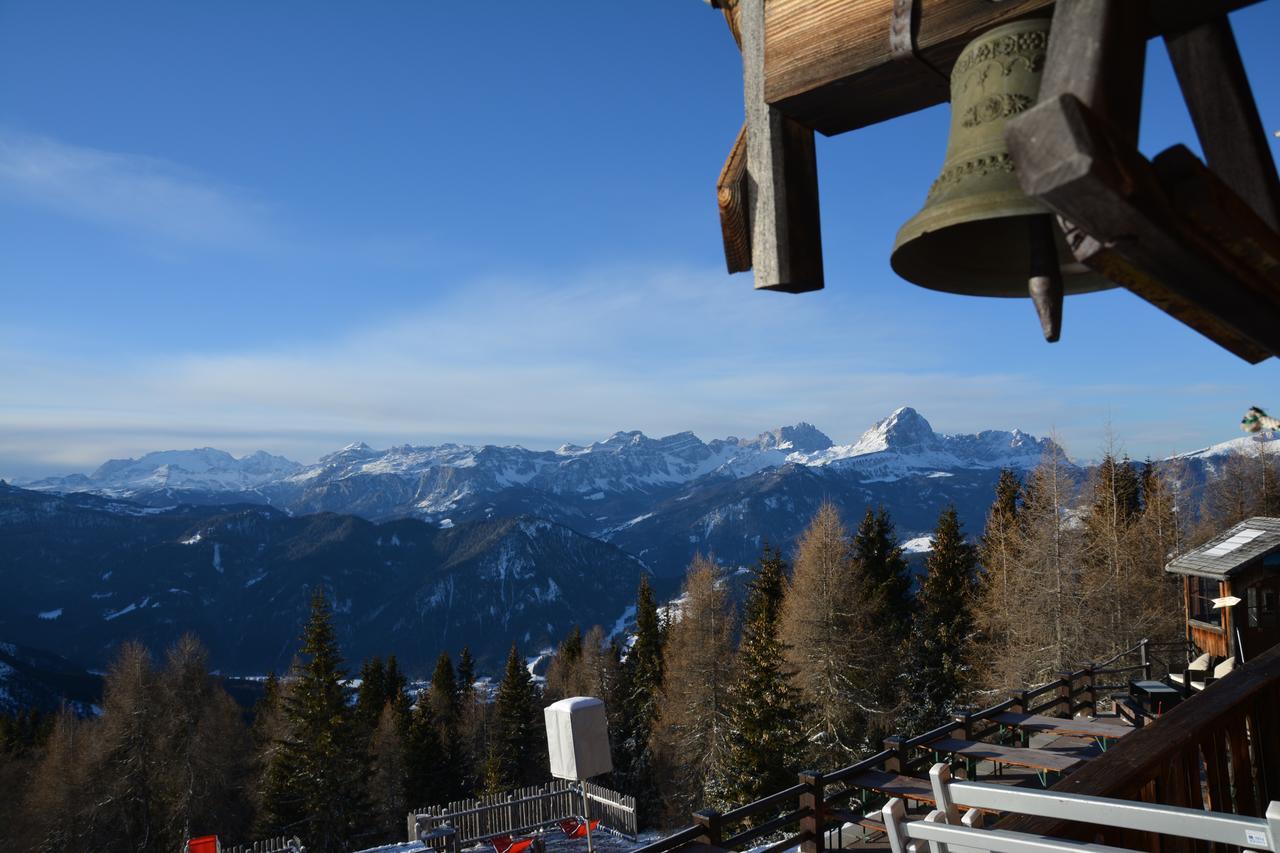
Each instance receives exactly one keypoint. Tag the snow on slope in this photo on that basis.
(204, 469)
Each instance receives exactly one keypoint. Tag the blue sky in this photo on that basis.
(293, 225)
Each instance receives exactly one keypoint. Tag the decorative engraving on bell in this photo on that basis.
(972, 236)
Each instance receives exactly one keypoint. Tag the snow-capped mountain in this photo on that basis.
(202, 470)
(661, 499)
(442, 477)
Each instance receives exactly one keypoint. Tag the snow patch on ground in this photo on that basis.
(192, 540)
(217, 557)
(49, 615)
(116, 614)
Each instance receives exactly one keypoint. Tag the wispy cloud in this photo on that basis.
(528, 361)
(143, 195)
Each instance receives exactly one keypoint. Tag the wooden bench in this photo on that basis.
(893, 785)
(1039, 723)
(1040, 760)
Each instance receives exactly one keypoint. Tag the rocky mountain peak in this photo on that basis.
(905, 429)
(800, 438)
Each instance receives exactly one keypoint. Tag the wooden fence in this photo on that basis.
(271, 845)
(525, 810)
(800, 815)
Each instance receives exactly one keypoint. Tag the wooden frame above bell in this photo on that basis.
(768, 190)
(1200, 243)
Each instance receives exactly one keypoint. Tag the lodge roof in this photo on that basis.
(1230, 552)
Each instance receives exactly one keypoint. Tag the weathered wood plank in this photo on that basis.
(1068, 159)
(732, 197)
(830, 66)
(1211, 75)
(782, 177)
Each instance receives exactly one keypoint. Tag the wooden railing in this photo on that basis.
(282, 844)
(801, 814)
(525, 810)
(1219, 749)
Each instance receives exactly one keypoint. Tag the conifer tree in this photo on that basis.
(691, 733)
(999, 581)
(388, 776)
(875, 547)
(938, 659)
(371, 696)
(517, 739)
(833, 642)
(472, 727)
(446, 707)
(318, 773)
(641, 681)
(564, 675)
(766, 711)
(426, 766)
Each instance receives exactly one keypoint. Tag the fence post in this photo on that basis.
(1064, 694)
(964, 726)
(813, 799)
(1019, 702)
(897, 762)
(1089, 696)
(709, 820)
(1144, 659)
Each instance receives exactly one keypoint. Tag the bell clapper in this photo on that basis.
(1045, 276)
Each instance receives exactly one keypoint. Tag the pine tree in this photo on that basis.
(371, 695)
(317, 776)
(833, 643)
(1047, 599)
(470, 754)
(691, 734)
(564, 675)
(875, 547)
(1111, 579)
(1001, 575)
(938, 657)
(766, 712)
(388, 776)
(447, 710)
(426, 765)
(640, 683)
(517, 740)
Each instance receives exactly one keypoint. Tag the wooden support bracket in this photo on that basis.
(782, 176)
(1172, 232)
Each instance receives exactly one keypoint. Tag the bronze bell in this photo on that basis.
(978, 234)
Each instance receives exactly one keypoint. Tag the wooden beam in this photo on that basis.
(782, 176)
(1222, 107)
(732, 197)
(830, 64)
(1070, 159)
(1097, 52)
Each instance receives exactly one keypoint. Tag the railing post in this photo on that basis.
(964, 726)
(1064, 693)
(1019, 702)
(897, 762)
(1144, 659)
(813, 799)
(1089, 696)
(712, 829)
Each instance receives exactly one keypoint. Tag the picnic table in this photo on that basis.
(1083, 727)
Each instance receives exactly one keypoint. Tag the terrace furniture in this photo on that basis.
(1155, 697)
(1043, 761)
(1030, 724)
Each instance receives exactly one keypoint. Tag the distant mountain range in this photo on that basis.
(660, 499)
(428, 548)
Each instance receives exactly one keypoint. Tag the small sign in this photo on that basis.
(1258, 838)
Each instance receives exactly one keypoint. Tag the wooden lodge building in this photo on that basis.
(1231, 587)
